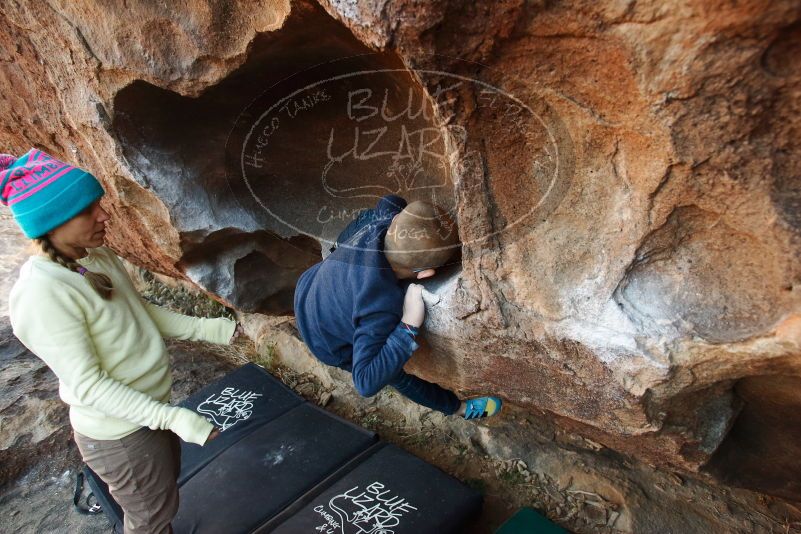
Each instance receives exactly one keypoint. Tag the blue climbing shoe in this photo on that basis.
(482, 407)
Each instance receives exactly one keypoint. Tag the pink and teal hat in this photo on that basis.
(43, 192)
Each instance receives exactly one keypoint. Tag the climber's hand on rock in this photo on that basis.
(414, 309)
(431, 299)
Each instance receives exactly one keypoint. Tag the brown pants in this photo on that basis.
(141, 470)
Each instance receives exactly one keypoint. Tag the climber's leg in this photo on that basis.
(426, 394)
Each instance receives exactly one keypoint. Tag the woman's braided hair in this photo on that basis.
(99, 282)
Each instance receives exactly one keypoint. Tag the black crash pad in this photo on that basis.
(238, 404)
(267, 470)
(281, 463)
(390, 491)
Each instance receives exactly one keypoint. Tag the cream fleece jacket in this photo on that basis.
(109, 355)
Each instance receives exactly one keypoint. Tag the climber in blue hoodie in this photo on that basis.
(353, 313)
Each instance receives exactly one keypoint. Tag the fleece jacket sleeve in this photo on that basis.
(69, 351)
(176, 325)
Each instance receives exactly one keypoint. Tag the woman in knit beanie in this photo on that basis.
(75, 307)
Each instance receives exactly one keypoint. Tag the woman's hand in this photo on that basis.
(239, 330)
(214, 433)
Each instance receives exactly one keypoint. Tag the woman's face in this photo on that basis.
(85, 230)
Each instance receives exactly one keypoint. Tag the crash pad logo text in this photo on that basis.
(227, 408)
(372, 510)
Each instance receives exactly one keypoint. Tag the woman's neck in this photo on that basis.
(69, 251)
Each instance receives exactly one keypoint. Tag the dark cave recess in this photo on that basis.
(287, 149)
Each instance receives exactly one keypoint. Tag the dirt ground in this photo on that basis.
(517, 459)
(40, 500)
(520, 459)
(514, 461)
(590, 496)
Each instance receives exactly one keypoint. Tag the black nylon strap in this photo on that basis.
(88, 509)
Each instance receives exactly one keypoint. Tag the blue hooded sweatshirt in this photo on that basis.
(348, 307)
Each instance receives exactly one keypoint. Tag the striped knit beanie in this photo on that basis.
(43, 192)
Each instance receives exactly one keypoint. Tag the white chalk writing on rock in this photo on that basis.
(372, 510)
(227, 408)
